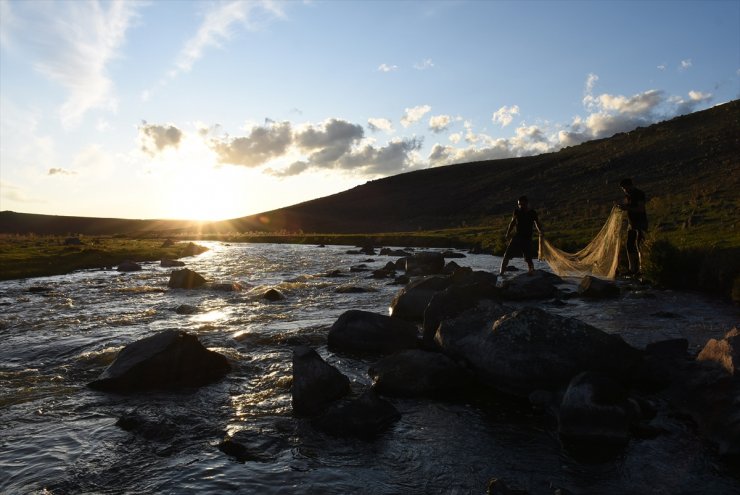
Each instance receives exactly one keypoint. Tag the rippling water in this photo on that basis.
(57, 436)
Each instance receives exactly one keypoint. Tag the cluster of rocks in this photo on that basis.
(453, 331)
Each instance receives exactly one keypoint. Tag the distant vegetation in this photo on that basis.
(689, 168)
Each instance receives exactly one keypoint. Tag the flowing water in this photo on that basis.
(58, 436)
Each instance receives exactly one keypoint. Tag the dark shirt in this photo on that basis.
(635, 206)
(524, 222)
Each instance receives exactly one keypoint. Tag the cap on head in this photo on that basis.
(625, 183)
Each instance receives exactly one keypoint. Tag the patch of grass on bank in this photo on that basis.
(36, 256)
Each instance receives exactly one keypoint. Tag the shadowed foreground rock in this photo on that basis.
(364, 417)
(169, 359)
(417, 373)
(315, 382)
(531, 349)
(539, 285)
(373, 333)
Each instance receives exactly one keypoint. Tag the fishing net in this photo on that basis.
(600, 257)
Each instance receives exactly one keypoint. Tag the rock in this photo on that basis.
(186, 309)
(165, 263)
(168, 243)
(73, 241)
(455, 334)
(394, 252)
(365, 417)
(246, 446)
(417, 373)
(352, 289)
(595, 415)
(596, 288)
(148, 425)
(193, 249)
(531, 349)
(411, 301)
(315, 383)
(226, 286)
(424, 263)
(452, 301)
(128, 266)
(724, 353)
(373, 333)
(185, 279)
(273, 295)
(539, 285)
(167, 359)
(452, 254)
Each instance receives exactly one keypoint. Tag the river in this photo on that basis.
(59, 437)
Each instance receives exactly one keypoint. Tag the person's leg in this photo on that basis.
(508, 254)
(633, 253)
(527, 253)
(504, 264)
(638, 247)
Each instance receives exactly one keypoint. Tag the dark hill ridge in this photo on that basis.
(684, 159)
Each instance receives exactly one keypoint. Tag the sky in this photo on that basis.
(167, 109)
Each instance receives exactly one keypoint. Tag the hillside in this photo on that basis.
(688, 166)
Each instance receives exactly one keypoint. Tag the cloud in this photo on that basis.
(591, 81)
(439, 123)
(505, 115)
(387, 68)
(424, 64)
(155, 139)
(218, 27)
(378, 124)
(263, 144)
(415, 114)
(15, 194)
(72, 43)
(329, 141)
(686, 64)
(60, 171)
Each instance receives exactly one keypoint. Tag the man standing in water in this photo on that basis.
(634, 205)
(521, 244)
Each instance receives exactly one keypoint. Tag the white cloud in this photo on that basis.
(424, 64)
(686, 64)
(72, 43)
(439, 123)
(455, 137)
(415, 114)
(60, 171)
(387, 68)
(379, 124)
(591, 81)
(662, 67)
(218, 27)
(505, 115)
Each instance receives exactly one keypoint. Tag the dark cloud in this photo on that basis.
(60, 171)
(155, 138)
(259, 147)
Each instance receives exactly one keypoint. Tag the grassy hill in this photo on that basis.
(689, 167)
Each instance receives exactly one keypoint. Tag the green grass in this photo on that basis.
(35, 256)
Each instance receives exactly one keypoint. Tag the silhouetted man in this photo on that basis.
(634, 205)
(521, 244)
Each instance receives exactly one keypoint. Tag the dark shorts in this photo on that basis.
(519, 246)
(634, 239)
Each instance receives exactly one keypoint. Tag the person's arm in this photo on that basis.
(511, 226)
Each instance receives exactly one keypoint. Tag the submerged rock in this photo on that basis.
(364, 417)
(167, 359)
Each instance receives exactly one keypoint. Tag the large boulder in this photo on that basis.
(537, 285)
(358, 331)
(128, 266)
(186, 279)
(411, 301)
(168, 359)
(365, 417)
(452, 301)
(424, 263)
(531, 349)
(418, 373)
(455, 334)
(315, 382)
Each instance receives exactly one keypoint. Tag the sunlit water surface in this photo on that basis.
(58, 436)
